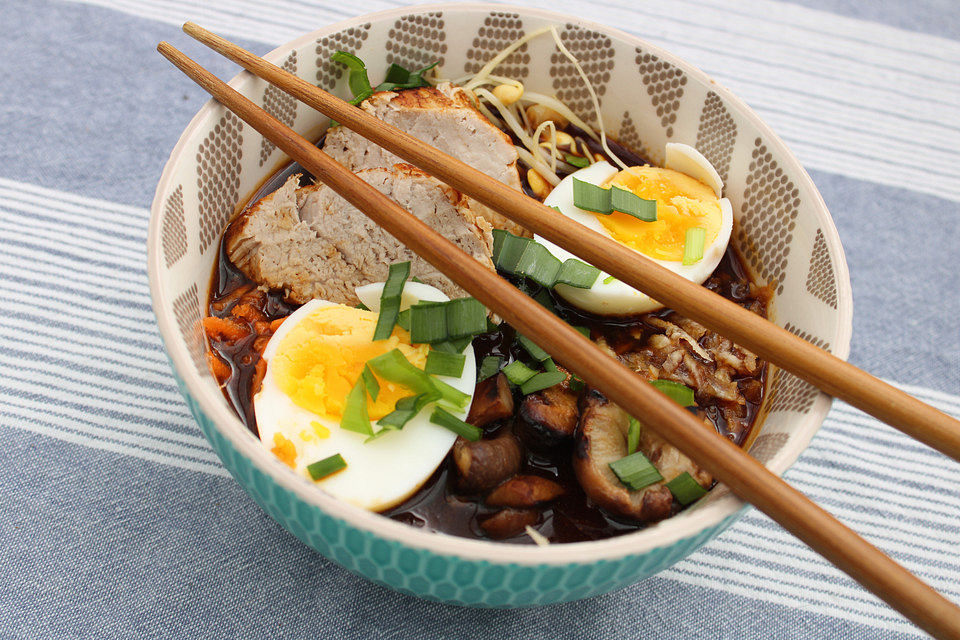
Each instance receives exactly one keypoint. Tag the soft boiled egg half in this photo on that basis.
(313, 361)
(688, 192)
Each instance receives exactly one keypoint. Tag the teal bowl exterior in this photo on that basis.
(434, 576)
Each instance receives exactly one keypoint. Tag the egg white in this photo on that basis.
(381, 473)
(614, 297)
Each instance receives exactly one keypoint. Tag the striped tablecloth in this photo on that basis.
(118, 520)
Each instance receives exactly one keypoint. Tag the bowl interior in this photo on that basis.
(647, 98)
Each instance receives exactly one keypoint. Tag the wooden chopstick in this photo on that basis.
(731, 465)
(772, 343)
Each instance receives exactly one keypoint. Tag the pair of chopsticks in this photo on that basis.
(731, 465)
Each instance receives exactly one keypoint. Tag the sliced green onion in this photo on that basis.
(633, 435)
(518, 373)
(507, 250)
(681, 394)
(591, 197)
(465, 317)
(357, 79)
(328, 466)
(449, 421)
(537, 263)
(417, 280)
(396, 74)
(390, 299)
(696, 238)
(399, 78)
(403, 319)
(405, 409)
(543, 297)
(633, 205)
(550, 365)
(370, 382)
(428, 322)
(451, 395)
(577, 161)
(576, 384)
(584, 331)
(576, 273)
(635, 471)
(531, 347)
(609, 279)
(395, 367)
(685, 489)
(490, 366)
(452, 346)
(361, 306)
(355, 416)
(542, 381)
(441, 363)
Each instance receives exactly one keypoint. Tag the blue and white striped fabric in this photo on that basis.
(118, 520)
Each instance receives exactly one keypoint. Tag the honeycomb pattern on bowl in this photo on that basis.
(174, 229)
(665, 85)
(417, 40)
(498, 30)
(594, 51)
(280, 105)
(786, 391)
(218, 176)
(629, 136)
(186, 306)
(821, 281)
(716, 134)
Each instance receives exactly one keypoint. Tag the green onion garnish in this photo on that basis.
(543, 297)
(370, 382)
(361, 306)
(489, 367)
(685, 489)
(591, 197)
(453, 346)
(576, 384)
(465, 317)
(550, 365)
(328, 466)
(357, 79)
(405, 409)
(696, 238)
(395, 367)
(507, 250)
(390, 300)
(399, 78)
(446, 419)
(403, 319)
(635, 471)
(605, 201)
(530, 346)
(576, 273)
(441, 363)
(537, 263)
(633, 435)
(681, 394)
(451, 395)
(577, 161)
(428, 322)
(633, 205)
(542, 381)
(609, 279)
(355, 416)
(518, 373)
(584, 331)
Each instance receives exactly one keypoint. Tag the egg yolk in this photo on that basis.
(321, 358)
(682, 203)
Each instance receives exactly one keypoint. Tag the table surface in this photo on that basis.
(119, 521)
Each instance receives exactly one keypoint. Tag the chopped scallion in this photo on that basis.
(633, 435)
(576, 273)
(488, 367)
(696, 238)
(405, 409)
(355, 416)
(537, 263)
(679, 393)
(633, 205)
(584, 331)
(390, 299)
(450, 395)
(357, 78)
(370, 382)
(465, 317)
(635, 471)
(449, 421)
(518, 373)
(591, 197)
(403, 319)
(685, 489)
(395, 367)
(542, 381)
(609, 279)
(441, 363)
(328, 466)
(453, 346)
(531, 347)
(577, 161)
(428, 322)
(507, 250)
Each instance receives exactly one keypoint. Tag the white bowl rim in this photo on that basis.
(682, 526)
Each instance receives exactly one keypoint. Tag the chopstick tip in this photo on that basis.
(190, 27)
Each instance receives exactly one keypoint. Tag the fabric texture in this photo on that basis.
(120, 522)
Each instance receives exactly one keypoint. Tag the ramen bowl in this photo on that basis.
(648, 98)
